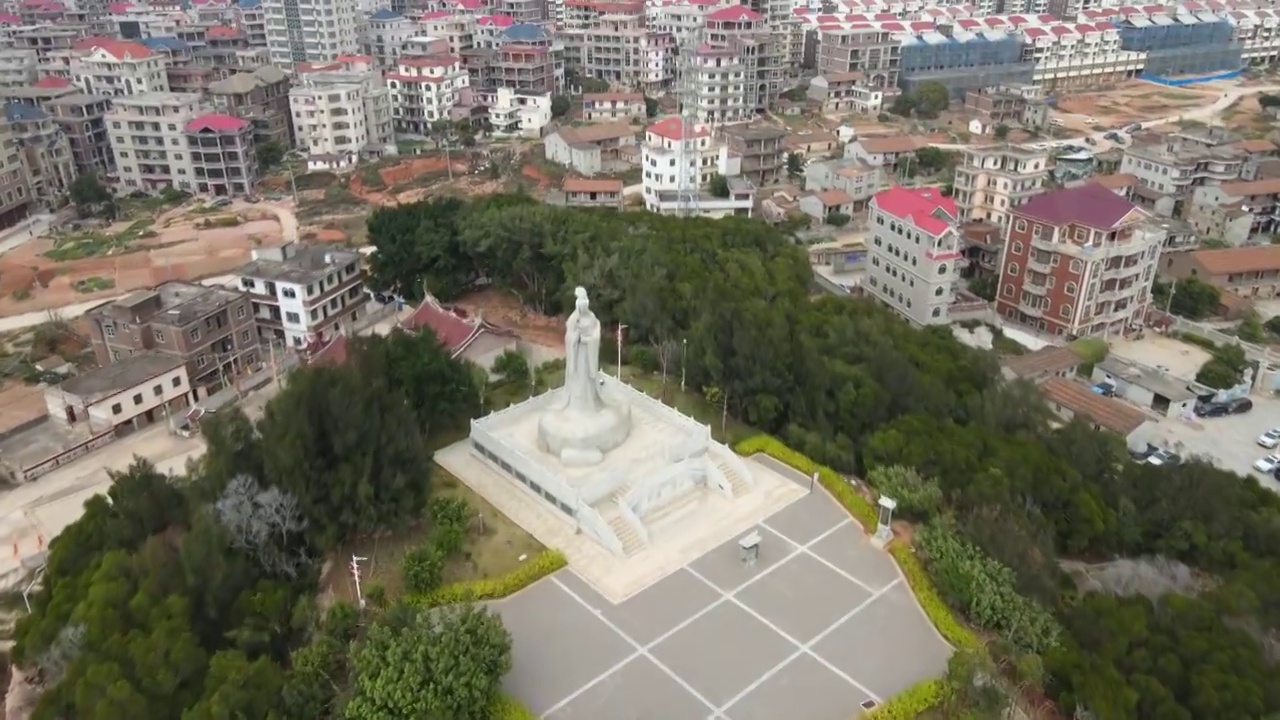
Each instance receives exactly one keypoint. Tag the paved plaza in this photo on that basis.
(822, 623)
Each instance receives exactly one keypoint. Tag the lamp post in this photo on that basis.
(684, 356)
(621, 327)
(355, 574)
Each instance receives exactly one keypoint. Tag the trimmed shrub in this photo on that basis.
(522, 577)
(859, 507)
(938, 611)
(449, 520)
(508, 708)
(422, 568)
(912, 702)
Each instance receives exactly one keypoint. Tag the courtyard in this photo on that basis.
(1230, 442)
(819, 626)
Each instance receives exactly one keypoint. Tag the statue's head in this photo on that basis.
(581, 294)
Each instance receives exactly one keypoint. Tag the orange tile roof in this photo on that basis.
(1119, 180)
(1227, 261)
(893, 144)
(833, 198)
(1080, 399)
(1255, 146)
(591, 185)
(1270, 186)
(1050, 359)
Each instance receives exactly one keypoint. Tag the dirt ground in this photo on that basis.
(405, 172)
(179, 250)
(20, 403)
(1137, 101)
(506, 311)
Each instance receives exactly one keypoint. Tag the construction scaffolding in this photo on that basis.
(963, 61)
(1182, 46)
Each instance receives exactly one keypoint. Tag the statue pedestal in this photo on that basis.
(580, 438)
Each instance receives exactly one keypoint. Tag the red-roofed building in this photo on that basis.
(108, 66)
(764, 55)
(464, 335)
(223, 157)
(735, 13)
(914, 253)
(424, 90)
(1078, 262)
(52, 82)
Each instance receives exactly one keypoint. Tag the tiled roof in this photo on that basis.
(833, 198)
(172, 44)
(452, 330)
(332, 354)
(1048, 360)
(596, 133)
(496, 20)
(612, 97)
(591, 185)
(385, 14)
(1269, 186)
(1227, 261)
(673, 128)
(19, 112)
(736, 13)
(1116, 181)
(429, 61)
(52, 83)
(1091, 205)
(216, 122)
(223, 32)
(118, 49)
(892, 144)
(1114, 415)
(925, 207)
(1257, 145)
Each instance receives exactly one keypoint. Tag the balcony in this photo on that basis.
(1040, 290)
(1043, 268)
(1032, 311)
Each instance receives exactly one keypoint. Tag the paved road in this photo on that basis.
(18, 235)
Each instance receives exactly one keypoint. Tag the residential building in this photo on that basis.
(528, 60)
(303, 294)
(49, 41)
(840, 93)
(720, 75)
(137, 391)
(1050, 361)
(310, 31)
(761, 53)
(678, 159)
(1147, 387)
(16, 202)
(148, 138)
(603, 107)
(884, 152)
(856, 179)
(1185, 161)
(620, 50)
(83, 119)
(915, 253)
(457, 29)
(821, 206)
(488, 30)
(592, 149)
(1072, 400)
(963, 60)
(872, 51)
(262, 98)
(995, 106)
(761, 150)
(583, 192)
(519, 113)
(210, 329)
(251, 18)
(991, 181)
(1078, 262)
(522, 11)
(812, 143)
(425, 89)
(106, 66)
(18, 67)
(1258, 200)
(384, 36)
(340, 113)
(223, 157)
(46, 153)
(1249, 272)
(1070, 55)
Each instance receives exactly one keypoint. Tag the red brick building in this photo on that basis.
(1078, 262)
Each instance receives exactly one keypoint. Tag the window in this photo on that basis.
(1065, 310)
(241, 312)
(942, 269)
(109, 329)
(937, 292)
(244, 336)
(1017, 248)
(937, 312)
(1082, 234)
(177, 382)
(1011, 269)
(194, 334)
(158, 390)
(116, 409)
(137, 399)
(1076, 266)
(292, 317)
(1008, 291)
(288, 292)
(159, 335)
(1071, 289)
(201, 361)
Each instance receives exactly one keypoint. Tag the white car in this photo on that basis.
(1267, 464)
(1270, 438)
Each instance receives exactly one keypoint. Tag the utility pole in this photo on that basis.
(684, 356)
(621, 327)
(355, 575)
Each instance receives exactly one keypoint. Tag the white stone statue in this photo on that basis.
(581, 426)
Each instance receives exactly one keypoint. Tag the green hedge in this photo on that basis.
(507, 708)
(923, 696)
(859, 507)
(545, 563)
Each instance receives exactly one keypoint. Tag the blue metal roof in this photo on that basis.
(250, 3)
(166, 43)
(385, 14)
(16, 112)
(525, 32)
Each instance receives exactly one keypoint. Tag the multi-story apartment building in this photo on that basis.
(617, 48)
(678, 159)
(720, 75)
(991, 181)
(854, 178)
(1078, 262)
(112, 67)
(302, 294)
(210, 329)
(963, 60)
(608, 107)
(459, 30)
(1249, 210)
(528, 59)
(425, 89)
(842, 93)
(83, 119)
(1076, 55)
(262, 98)
(522, 11)
(46, 153)
(762, 155)
(311, 31)
(384, 35)
(489, 29)
(18, 67)
(1008, 105)
(679, 18)
(519, 113)
(251, 18)
(872, 51)
(1185, 161)
(223, 159)
(49, 41)
(15, 198)
(341, 112)
(760, 51)
(148, 137)
(914, 253)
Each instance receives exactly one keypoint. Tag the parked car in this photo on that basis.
(1090, 141)
(1133, 128)
(1270, 438)
(1239, 406)
(1164, 457)
(1113, 136)
(220, 203)
(1143, 454)
(1267, 464)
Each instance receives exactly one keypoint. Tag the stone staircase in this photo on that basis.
(737, 483)
(631, 542)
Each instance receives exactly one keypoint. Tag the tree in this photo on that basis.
(984, 286)
(1225, 368)
(718, 185)
(1194, 299)
(1001, 132)
(266, 523)
(931, 97)
(795, 164)
(903, 105)
(559, 106)
(92, 197)
(918, 497)
(931, 160)
(650, 107)
(269, 155)
(512, 368)
(446, 663)
(1250, 329)
(837, 219)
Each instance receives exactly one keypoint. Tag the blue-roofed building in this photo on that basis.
(526, 33)
(167, 44)
(386, 15)
(20, 112)
(45, 153)
(247, 4)
(386, 35)
(963, 61)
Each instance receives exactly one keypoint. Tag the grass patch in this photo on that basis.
(93, 284)
(94, 244)
(488, 553)
(371, 178)
(226, 221)
(689, 402)
(21, 294)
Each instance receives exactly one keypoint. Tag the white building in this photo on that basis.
(311, 31)
(136, 391)
(341, 113)
(991, 181)
(914, 252)
(304, 293)
(384, 36)
(661, 159)
(1079, 54)
(425, 89)
(103, 66)
(18, 67)
(148, 138)
(721, 79)
(519, 113)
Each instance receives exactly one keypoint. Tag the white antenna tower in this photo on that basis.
(687, 94)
